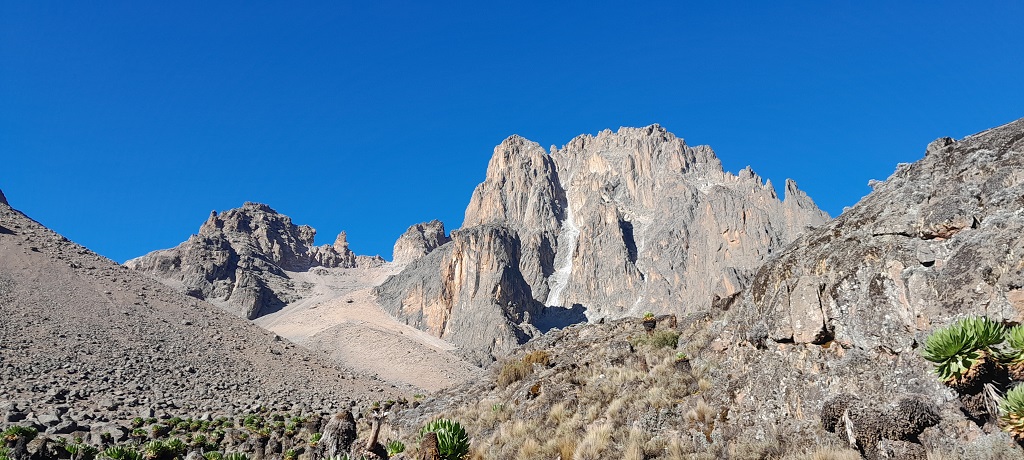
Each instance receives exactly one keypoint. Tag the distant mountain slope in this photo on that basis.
(239, 256)
(80, 331)
(609, 225)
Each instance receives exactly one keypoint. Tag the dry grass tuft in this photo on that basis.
(518, 369)
(541, 357)
(657, 339)
(594, 443)
(827, 453)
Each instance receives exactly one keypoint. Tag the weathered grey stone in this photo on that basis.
(939, 239)
(418, 241)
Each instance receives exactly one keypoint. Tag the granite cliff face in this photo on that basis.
(240, 257)
(607, 226)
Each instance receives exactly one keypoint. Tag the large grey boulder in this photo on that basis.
(846, 308)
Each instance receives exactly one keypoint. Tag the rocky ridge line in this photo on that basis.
(607, 226)
(240, 257)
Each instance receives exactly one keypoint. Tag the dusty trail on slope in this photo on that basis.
(341, 318)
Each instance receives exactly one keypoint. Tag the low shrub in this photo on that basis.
(657, 339)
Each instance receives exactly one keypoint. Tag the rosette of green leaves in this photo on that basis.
(956, 348)
(1014, 350)
(452, 440)
(1011, 412)
(395, 447)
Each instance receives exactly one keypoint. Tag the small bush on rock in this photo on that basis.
(657, 339)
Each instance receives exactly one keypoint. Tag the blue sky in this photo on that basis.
(123, 124)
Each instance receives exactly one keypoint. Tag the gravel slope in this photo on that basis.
(87, 339)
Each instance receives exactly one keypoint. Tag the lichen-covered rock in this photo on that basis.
(846, 307)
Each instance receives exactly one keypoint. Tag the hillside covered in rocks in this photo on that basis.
(820, 354)
(88, 344)
(607, 226)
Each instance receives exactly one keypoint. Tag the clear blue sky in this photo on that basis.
(122, 125)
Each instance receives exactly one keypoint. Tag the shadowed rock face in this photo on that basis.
(610, 225)
(239, 258)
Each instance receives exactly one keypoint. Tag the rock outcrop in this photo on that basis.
(607, 226)
(940, 238)
(847, 307)
(3, 199)
(240, 258)
(418, 241)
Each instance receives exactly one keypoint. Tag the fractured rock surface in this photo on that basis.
(847, 307)
(941, 238)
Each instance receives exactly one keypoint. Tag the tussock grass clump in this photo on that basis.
(657, 339)
(518, 369)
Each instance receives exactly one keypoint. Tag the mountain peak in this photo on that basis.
(239, 257)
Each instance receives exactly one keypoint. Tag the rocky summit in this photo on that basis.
(418, 241)
(607, 226)
(640, 302)
(240, 257)
(820, 357)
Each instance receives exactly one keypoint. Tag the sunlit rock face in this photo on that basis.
(941, 237)
(418, 241)
(607, 226)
